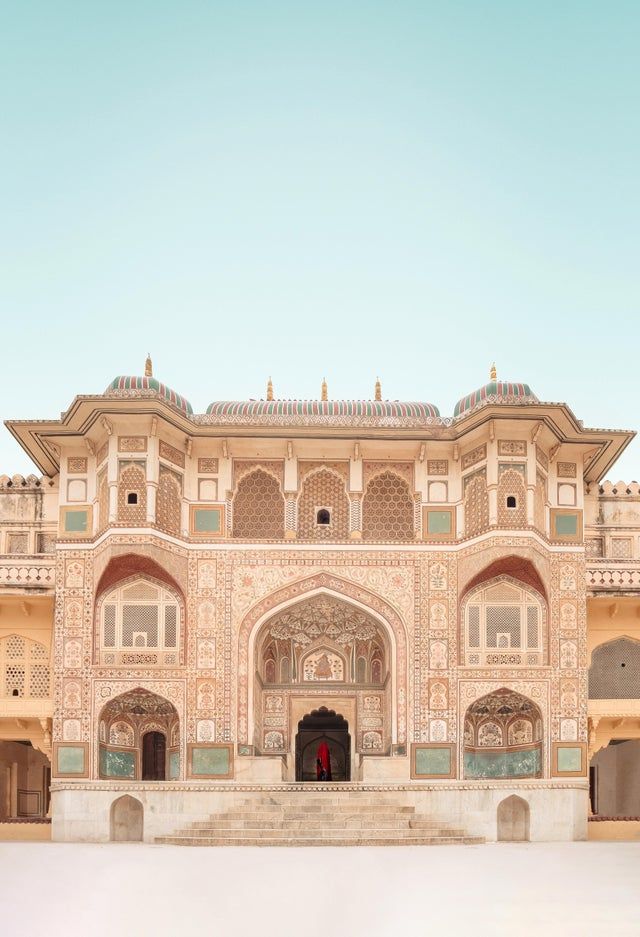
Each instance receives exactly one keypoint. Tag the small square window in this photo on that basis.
(323, 517)
(511, 501)
(132, 497)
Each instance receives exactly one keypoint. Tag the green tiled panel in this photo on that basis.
(569, 759)
(522, 764)
(117, 764)
(174, 765)
(439, 522)
(207, 520)
(433, 761)
(75, 522)
(567, 525)
(70, 759)
(209, 761)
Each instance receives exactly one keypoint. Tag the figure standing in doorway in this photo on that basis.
(323, 762)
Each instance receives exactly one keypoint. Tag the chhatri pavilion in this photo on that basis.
(318, 621)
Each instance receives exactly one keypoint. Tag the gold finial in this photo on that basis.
(324, 395)
(269, 390)
(493, 374)
(378, 393)
(148, 366)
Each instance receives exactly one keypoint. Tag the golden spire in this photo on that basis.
(493, 374)
(378, 393)
(324, 395)
(269, 390)
(148, 366)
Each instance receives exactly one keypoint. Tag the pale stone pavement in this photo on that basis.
(562, 889)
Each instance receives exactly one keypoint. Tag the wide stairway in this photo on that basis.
(322, 819)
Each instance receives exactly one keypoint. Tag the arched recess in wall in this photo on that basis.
(503, 733)
(615, 669)
(258, 507)
(139, 615)
(323, 507)
(126, 820)
(333, 586)
(513, 820)
(388, 509)
(141, 740)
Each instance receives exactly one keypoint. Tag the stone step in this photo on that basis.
(257, 828)
(328, 834)
(277, 817)
(341, 807)
(257, 821)
(369, 838)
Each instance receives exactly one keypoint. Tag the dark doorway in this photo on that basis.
(154, 745)
(323, 725)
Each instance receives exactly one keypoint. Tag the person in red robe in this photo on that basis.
(323, 762)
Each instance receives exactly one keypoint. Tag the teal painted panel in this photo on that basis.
(70, 759)
(207, 520)
(569, 759)
(433, 761)
(76, 522)
(117, 764)
(174, 765)
(439, 522)
(209, 761)
(567, 525)
(521, 764)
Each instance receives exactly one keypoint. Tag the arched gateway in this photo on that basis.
(325, 651)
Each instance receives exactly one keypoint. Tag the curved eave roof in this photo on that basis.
(132, 386)
(500, 392)
(251, 411)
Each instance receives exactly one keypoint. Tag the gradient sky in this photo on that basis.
(409, 189)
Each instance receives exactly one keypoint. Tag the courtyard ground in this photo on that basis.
(562, 889)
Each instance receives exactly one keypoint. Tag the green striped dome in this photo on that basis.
(495, 392)
(130, 383)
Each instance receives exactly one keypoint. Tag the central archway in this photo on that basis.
(503, 737)
(323, 727)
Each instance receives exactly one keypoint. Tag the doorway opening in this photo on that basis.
(323, 747)
(154, 747)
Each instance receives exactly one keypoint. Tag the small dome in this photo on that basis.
(124, 386)
(495, 392)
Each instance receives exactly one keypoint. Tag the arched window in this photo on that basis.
(258, 507)
(323, 507)
(615, 670)
(132, 494)
(140, 623)
(387, 509)
(504, 623)
(24, 668)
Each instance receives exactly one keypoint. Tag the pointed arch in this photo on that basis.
(388, 508)
(328, 584)
(323, 488)
(513, 820)
(258, 506)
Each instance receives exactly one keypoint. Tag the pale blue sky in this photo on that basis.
(410, 189)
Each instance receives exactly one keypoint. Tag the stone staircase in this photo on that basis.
(318, 819)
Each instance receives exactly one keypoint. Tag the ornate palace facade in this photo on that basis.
(190, 603)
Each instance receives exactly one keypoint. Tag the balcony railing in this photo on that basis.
(613, 577)
(27, 572)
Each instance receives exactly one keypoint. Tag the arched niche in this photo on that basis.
(318, 648)
(126, 820)
(503, 737)
(141, 738)
(513, 820)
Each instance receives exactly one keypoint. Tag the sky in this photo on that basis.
(348, 189)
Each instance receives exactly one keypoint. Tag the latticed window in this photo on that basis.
(136, 617)
(258, 508)
(323, 508)
(387, 509)
(615, 670)
(476, 505)
(504, 624)
(132, 494)
(169, 501)
(24, 666)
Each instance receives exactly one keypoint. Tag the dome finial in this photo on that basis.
(323, 393)
(493, 374)
(378, 391)
(269, 390)
(148, 366)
